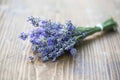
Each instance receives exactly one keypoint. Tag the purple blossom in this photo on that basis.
(43, 23)
(51, 39)
(31, 58)
(70, 26)
(73, 51)
(33, 21)
(23, 36)
(45, 58)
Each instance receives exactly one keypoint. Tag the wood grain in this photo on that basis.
(98, 58)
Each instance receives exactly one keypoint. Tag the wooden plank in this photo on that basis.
(97, 59)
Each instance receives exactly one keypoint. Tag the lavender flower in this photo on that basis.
(73, 51)
(23, 36)
(51, 39)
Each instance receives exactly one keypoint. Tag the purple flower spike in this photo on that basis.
(43, 23)
(31, 58)
(50, 38)
(23, 36)
(73, 51)
(51, 41)
(70, 26)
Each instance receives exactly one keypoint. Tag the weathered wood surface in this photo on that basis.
(97, 59)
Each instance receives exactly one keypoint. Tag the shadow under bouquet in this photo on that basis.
(51, 39)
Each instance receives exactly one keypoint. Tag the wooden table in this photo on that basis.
(97, 59)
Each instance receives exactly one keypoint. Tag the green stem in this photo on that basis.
(108, 25)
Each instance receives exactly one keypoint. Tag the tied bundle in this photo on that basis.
(51, 39)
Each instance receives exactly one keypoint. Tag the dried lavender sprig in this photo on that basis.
(51, 39)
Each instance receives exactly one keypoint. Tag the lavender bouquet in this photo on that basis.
(51, 39)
